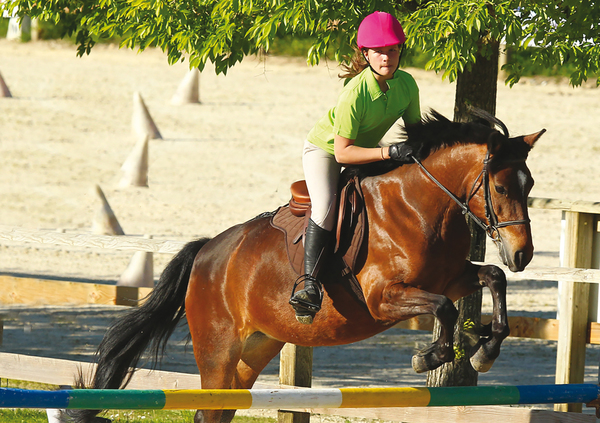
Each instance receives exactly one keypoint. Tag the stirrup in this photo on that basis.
(304, 307)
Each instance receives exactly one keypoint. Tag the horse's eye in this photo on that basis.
(500, 189)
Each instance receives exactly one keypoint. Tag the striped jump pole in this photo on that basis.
(220, 399)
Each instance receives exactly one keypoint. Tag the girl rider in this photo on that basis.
(370, 103)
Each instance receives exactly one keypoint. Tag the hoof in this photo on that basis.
(480, 362)
(431, 358)
(425, 363)
(419, 364)
(305, 319)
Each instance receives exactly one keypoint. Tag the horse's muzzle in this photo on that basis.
(520, 261)
(516, 261)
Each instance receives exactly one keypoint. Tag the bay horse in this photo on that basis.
(234, 288)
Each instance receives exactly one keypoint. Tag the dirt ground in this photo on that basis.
(224, 161)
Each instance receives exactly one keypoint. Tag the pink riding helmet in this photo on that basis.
(379, 29)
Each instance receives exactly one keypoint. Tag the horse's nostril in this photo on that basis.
(520, 259)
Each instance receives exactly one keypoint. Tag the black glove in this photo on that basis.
(401, 152)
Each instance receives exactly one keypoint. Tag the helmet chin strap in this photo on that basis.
(374, 71)
(397, 67)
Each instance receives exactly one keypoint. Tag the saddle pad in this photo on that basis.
(350, 236)
(293, 227)
(349, 232)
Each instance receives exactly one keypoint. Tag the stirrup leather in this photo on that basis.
(303, 305)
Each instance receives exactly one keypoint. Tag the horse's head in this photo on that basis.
(504, 186)
(499, 180)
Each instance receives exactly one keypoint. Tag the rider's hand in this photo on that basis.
(401, 152)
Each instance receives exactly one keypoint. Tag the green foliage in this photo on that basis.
(525, 60)
(3, 27)
(451, 32)
(565, 34)
(459, 353)
(468, 325)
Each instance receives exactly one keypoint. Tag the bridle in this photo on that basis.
(483, 179)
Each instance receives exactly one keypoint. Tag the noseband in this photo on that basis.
(483, 179)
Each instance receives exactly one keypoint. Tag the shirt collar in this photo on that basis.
(373, 86)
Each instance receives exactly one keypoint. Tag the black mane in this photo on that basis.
(435, 132)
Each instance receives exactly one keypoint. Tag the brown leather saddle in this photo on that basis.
(350, 232)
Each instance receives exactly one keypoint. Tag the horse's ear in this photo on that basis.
(494, 141)
(531, 139)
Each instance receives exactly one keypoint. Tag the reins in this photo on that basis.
(482, 179)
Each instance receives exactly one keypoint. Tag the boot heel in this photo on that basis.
(305, 319)
(304, 301)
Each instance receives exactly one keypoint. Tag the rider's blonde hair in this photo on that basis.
(357, 64)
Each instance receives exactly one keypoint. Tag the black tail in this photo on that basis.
(150, 325)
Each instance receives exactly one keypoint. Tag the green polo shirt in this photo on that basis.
(364, 113)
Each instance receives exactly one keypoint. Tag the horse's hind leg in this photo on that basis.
(217, 370)
(217, 349)
(258, 351)
(227, 362)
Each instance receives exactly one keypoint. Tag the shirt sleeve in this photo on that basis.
(348, 115)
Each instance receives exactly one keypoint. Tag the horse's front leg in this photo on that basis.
(487, 349)
(400, 301)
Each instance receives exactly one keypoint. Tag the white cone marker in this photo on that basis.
(4, 91)
(140, 271)
(135, 167)
(105, 222)
(188, 91)
(141, 122)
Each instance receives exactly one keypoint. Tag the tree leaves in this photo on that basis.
(224, 31)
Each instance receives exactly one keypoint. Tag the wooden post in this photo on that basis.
(574, 304)
(295, 368)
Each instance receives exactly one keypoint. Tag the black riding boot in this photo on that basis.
(307, 301)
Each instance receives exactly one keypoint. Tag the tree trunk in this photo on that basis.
(460, 372)
(475, 87)
(478, 86)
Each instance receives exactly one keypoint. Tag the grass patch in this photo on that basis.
(123, 416)
(175, 416)
(23, 416)
(23, 384)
